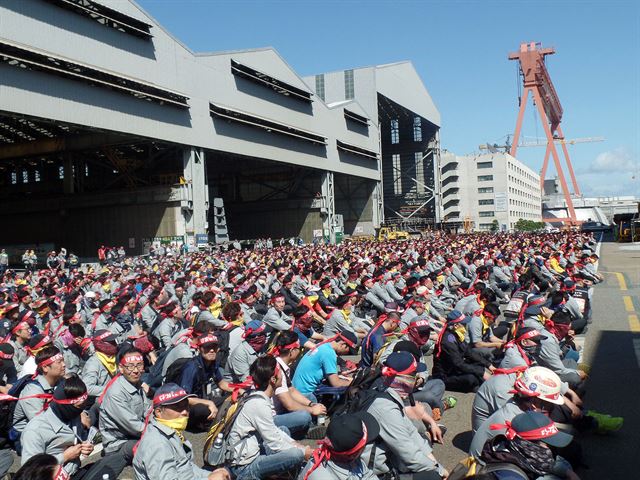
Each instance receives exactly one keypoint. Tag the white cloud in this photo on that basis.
(617, 160)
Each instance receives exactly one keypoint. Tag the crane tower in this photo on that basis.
(537, 81)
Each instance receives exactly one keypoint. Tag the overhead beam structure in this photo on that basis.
(537, 81)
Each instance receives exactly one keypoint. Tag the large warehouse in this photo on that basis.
(113, 132)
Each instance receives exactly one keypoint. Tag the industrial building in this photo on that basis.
(114, 132)
(396, 100)
(480, 189)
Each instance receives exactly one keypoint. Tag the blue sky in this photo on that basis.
(460, 49)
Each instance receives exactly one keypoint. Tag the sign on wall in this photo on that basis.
(501, 202)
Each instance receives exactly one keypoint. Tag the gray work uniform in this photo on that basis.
(337, 323)
(207, 316)
(162, 455)
(403, 447)
(95, 376)
(277, 319)
(122, 414)
(329, 470)
(491, 396)
(20, 355)
(254, 428)
(239, 362)
(26, 410)
(166, 330)
(48, 434)
(72, 362)
(550, 355)
(512, 358)
(148, 316)
(507, 412)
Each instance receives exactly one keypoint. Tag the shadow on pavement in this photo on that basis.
(463, 440)
(614, 388)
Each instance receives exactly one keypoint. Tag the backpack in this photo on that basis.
(174, 372)
(360, 394)
(469, 467)
(8, 406)
(214, 453)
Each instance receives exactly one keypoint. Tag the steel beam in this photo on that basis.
(47, 146)
(328, 209)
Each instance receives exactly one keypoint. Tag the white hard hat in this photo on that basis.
(542, 383)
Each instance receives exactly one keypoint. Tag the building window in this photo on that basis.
(486, 201)
(485, 226)
(349, 92)
(419, 172)
(320, 86)
(485, 164)
(487, 214)
(395, 131)
(417, 129)
(485, 178)
(397, 175)
(485, 190)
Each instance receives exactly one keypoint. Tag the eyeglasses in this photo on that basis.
(133, 367)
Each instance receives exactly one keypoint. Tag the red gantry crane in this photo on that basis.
(538, 82)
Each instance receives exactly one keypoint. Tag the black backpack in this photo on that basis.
(8, 406)
(174, 372)
(360, 394)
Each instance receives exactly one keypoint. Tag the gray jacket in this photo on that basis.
(95, 376)
(491, 396)
(239, 362)
(48, 434)
(329, 470)
(277, 320)
(507, 412)
(254, 427)
(403, 447)
(161, 455)
(122, 414)
(26, 410)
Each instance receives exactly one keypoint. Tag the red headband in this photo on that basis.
(457, 319)
(43, 341)
(102, 336)
(50, 360)
(326, 451)
(390, 372)
(207, 339)
(276, 350)
(537, 434)
(133, 357)
(249, 332)
(6, 356)
(19, 326)
(159, 399)
(528, 335)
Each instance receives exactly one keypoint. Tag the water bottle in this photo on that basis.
(105, 476)
(218, 443)
(321, 419)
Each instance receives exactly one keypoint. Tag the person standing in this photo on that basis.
(4, 261)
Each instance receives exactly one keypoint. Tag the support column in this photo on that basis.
(195, 198)
(328, 208)
(377, 205)
(67, 182)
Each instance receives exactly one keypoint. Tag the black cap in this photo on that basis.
(529, 422)
(403, 363)
(408, 346)
(345, 431)
(529, 333)
(349, 337)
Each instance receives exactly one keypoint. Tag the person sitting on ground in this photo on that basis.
(482, 338)
(50, 370)
(343, 319)
(293, 410)
(41, 467)
(375, 338)
(321, 364)
(163, 452)
(61, 431)
(259, 449)
(275, 316)
(404, 449)
(339, 455)
(254, 340)
(101, 366)
(454, 363)
(123, 406)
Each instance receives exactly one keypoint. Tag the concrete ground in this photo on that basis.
(611, 347)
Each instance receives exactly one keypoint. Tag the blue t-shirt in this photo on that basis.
(314, 367)
(303, 337)
(372, 342)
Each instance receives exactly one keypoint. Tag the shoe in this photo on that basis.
(449, 402)
(606, 423)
